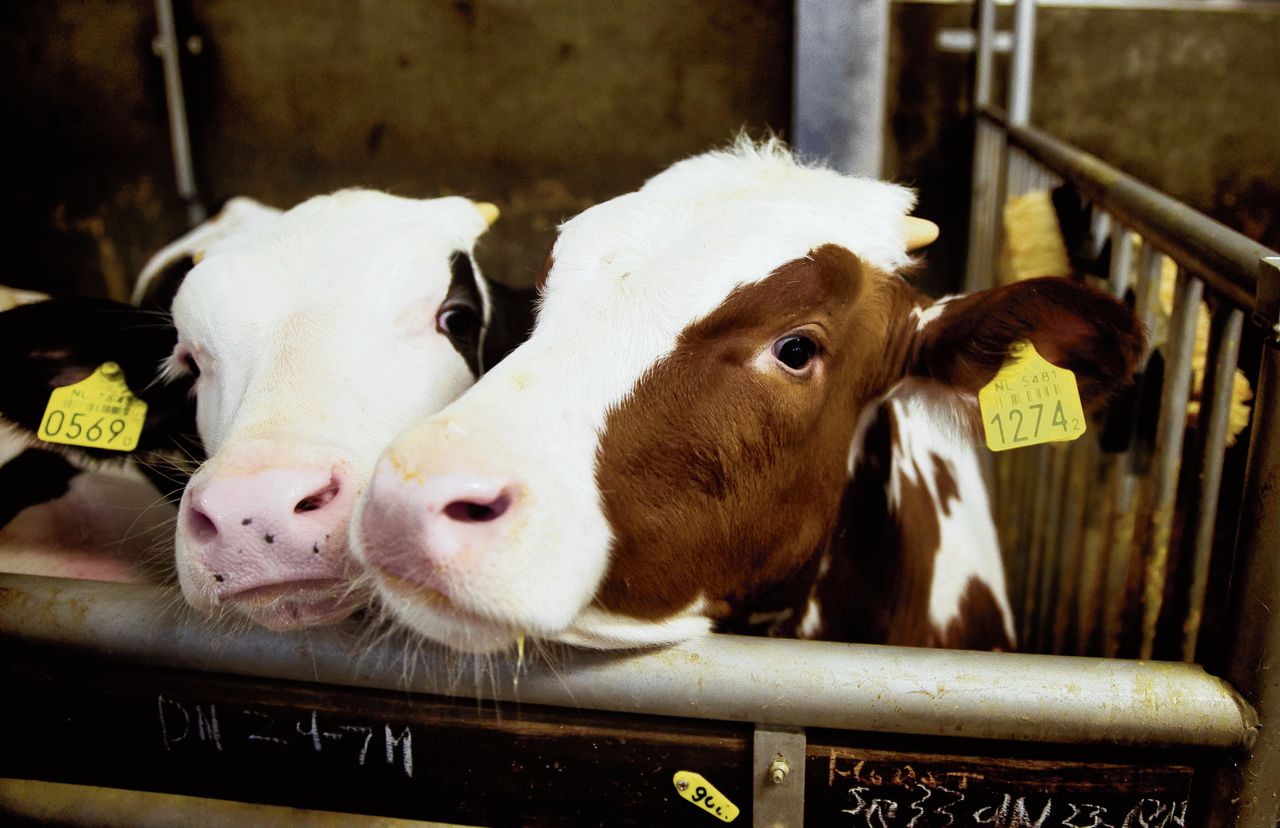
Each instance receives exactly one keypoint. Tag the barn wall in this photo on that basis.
(546, 106)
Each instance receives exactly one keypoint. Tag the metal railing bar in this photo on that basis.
(1215, 413)
(1125, 572)
(1022, 61)
(1225, 260)
(1038, 499)
(1096, 551)
(1247, 793)
(1004, 696)
(984, 223)
(1121, 265)
(1071, 551)
(1047, 537)
(1170, 433)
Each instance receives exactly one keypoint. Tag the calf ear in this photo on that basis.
(1074, 327)
(50, 344)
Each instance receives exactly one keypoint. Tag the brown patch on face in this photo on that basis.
(978, 625)
(722, 480)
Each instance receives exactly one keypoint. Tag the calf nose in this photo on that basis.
(269, 528)
(414, 525)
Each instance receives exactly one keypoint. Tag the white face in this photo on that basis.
(317, 335)
(485, 521)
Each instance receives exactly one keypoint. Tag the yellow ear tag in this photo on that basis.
(695, 788)
(1030, 401)
(97, 412)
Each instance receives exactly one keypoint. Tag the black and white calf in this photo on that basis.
(307, 340)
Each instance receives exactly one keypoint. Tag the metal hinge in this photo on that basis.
(777, 786)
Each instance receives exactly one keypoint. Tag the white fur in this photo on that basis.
(924, 316)
(316, 337)
(931, 421)
(238, 213)
(629, 275)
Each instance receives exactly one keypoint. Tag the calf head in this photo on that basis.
(309, 339)
(674, 438)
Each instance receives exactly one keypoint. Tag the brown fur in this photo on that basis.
(705, 443)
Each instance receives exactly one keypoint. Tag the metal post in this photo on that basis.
(988, 150)
(166, 46)
(841, 66)
(1168, 452)
(1215, 411)
(1247, 794)
(1022, 64)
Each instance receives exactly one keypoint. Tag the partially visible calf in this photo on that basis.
(735, 414)
(300, 344)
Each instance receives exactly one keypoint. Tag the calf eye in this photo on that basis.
(795, 351)
(458, 322)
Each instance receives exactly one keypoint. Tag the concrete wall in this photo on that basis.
(547, 106)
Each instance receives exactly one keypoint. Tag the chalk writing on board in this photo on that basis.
(940, 806)
(186, 725)
(176, 723)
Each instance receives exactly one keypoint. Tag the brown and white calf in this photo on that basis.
(735, 414)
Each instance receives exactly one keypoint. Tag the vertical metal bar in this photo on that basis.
(1021, 65)
(1070, 546)
(1147, 300)
(1121, 259)
(1032, 545)
(1010, 540)
(841, 70)
(988, 149)
(1168, 450)
(1097, 522)
(1215, 413)
(1124, 572)
(166, 45)
(984, 53)
(1046, 536)
(984, 224)
(1247, 793)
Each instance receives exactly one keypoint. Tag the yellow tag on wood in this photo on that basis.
(1030, 401)
(97, 412)
(695, 788)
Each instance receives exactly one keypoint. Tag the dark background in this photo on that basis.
(547, 106)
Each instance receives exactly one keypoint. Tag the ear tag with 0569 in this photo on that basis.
(99, 412)
(1030, 401)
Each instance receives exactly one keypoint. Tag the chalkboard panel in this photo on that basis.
(870, 788)
(363, 752)
(395, 754)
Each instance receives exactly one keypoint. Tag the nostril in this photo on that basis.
(201, 525)
(320, 499)
(471, 511)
